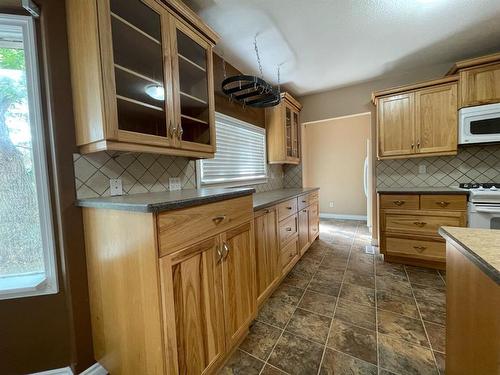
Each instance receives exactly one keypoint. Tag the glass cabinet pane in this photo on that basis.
(138, 62)
(193, 84)
(288, 132)
(296, 128)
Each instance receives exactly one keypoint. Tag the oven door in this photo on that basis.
(479, 124)
(484, 215)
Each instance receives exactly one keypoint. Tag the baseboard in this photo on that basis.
(342, 217)
(59, 371)
(95, 369)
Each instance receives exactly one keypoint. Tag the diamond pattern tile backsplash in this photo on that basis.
(472, 163)
(293, 176)
(141, 173)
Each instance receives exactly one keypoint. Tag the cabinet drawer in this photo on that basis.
(303, 201)
(288, 228)
(399, 201)
(287, 208)
(181, 228)
(416, 248)
(420, 224)
(443, 202)
(288, 254)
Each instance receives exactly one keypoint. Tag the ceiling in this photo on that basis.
(325, 44)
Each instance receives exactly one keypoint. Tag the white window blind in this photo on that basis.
(240, 157)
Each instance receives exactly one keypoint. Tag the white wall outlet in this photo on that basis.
(422, 169)
(174, 183)
(331, 204)
(115, 186)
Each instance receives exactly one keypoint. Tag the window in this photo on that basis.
(27, 260)
(240, 158)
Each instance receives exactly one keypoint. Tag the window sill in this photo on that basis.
(235, 184)
(25, 286)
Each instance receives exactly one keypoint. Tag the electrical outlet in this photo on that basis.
(331, 204)
(422, 169)
(115, 186)
(174, 183)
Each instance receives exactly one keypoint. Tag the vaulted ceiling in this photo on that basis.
(324, 44)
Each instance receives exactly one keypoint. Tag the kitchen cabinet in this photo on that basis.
(142, 77)
(409, 225)
(267, 256)
(303, 230)
(418, 120)
(479, 81)
(283, 131)
(165, 299)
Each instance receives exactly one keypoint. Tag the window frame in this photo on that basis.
(228, 184)
(35, 284)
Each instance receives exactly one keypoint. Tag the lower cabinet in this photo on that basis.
(409, 225)
(267, 255)
(314, 220)
(303, 230)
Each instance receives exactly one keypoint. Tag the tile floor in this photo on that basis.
(343, 311)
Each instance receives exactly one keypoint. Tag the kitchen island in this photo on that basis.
(472, 300)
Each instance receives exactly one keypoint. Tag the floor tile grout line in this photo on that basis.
(337, 301)
(376, 314)
(422, 321)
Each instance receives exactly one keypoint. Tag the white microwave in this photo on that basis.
(479, 124)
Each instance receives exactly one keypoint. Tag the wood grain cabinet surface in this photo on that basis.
(418, 120)
(283, 131)
(142, 77)
(409, 225)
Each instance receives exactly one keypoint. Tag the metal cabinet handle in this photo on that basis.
(420, 223)
(267, 211)
(289, 208)
(304, 210)
(420, 248)
(443, 204)
(225, 247)
(180, 131)
(289, 229)
(412, 146)
(398, 203)
(219, 219)
(173, 130)
(418, 144)
(220, 253)
(304, 201)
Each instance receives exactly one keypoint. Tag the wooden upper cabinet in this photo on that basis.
(436, 119)
(238, 281)
(396, 125)
(283, 131)
(418, 120)
(195, 276)
(480, 85)
(142, 77)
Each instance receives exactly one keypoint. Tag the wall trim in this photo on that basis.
(59, 371)
(95, 369)
(336, 118)
(325, 215)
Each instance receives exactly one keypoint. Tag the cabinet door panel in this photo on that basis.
(396, 125)
(239, 282)
(196, 281)
(193, 85)
(303, 230)
(480, 86)
(436, 119)
(313, 221)
(266, 251)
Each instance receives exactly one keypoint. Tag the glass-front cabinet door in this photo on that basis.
(296, 134)
(193, 85)
(288, 132)
(143, 105)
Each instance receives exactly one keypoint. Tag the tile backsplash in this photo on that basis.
(293, 176)
(472, 163)
(141, 173)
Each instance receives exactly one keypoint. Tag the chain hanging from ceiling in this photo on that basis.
(251, 90)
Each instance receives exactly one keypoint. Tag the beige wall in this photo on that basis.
(333, 157)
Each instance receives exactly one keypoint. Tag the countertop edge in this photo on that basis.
(423, 192)
(487, 268)
(283, 199)
(164, 206)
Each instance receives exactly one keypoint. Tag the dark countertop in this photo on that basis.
(481, 246)
(270, 198)
(164, 201)
(422, 190)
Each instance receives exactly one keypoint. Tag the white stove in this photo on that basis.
(484, 205)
